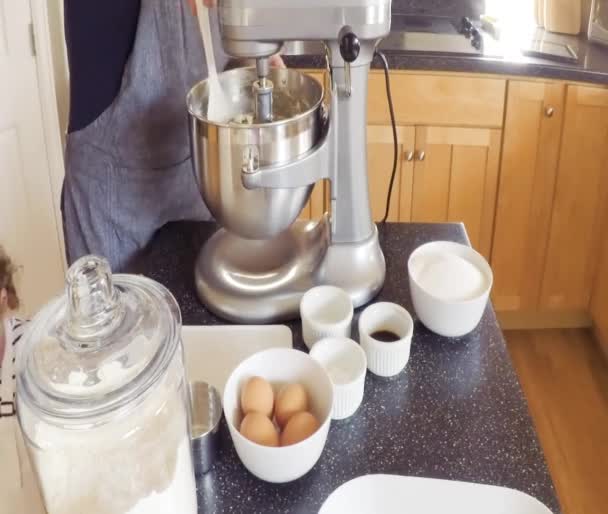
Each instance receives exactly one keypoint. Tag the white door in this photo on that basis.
(28, 227)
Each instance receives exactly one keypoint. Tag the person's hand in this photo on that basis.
(3, 302)
(277, 61)
(206, 3)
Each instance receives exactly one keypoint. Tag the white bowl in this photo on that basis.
(326, 311)
(346, 363)
(280, 366)
(446, 317)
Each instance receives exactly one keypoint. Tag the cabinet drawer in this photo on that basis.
(438, 100)
(435, 99)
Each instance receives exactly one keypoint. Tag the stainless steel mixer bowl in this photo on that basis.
(219, 147)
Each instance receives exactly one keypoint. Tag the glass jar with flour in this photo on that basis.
(102, 397)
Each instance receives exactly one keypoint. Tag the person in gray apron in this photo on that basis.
(128, 171)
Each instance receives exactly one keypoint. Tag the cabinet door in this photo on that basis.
(316, 205)
(380, 155)
(455, 179)
(580, 200)
(525, 195)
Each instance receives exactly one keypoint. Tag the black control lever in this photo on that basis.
(350, 46)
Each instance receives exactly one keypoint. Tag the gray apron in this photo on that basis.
(129, 172)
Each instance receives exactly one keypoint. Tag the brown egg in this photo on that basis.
(257, 396)
(292, 399)
(299, 427)
(258, 428)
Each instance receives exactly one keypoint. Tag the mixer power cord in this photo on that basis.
(389, 97)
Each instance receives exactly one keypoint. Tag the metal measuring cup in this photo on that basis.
(205, 424)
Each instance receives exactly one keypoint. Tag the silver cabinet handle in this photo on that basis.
(549, 112)
(409, 156)
(421, 155)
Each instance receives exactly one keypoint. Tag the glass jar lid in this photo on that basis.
(98, 347)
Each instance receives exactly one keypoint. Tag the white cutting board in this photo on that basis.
(212, 352)
(393, 494)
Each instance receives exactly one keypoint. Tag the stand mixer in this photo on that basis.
(256, 171)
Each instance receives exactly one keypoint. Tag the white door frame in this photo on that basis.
(47, 20)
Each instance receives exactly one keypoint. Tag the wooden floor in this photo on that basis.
(565, 378)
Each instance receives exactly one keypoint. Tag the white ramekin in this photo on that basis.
(346, 364)
(326, 311)
(386, 359)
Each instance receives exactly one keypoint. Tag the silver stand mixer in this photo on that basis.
(256, 167)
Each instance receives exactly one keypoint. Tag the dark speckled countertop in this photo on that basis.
(456, 412)
(592, 65)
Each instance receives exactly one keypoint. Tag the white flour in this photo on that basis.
(140, 463)
(177, 498)
(448, 276)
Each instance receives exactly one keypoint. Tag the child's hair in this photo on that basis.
(7, 270)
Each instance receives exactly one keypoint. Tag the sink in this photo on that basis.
(420, 32)
(393, 494)
(428, 42)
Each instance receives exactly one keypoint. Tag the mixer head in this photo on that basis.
(258, 28)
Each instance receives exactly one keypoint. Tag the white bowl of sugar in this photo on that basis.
(450, 284)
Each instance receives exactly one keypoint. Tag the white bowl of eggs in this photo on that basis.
(278, 405)
(450, 285)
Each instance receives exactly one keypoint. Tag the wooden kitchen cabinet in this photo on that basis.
(380, 166)
(437, 99)
(315, 207)
(455, 179)
(579, 209)
(530, 154)
(380, 156)
(443, 174)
